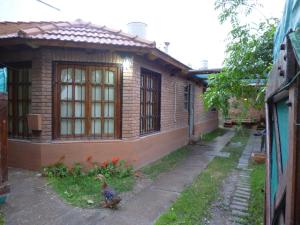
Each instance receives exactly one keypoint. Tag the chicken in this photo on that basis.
(111, 198)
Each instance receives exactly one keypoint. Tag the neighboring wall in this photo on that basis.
(42, 150)
(205, 120)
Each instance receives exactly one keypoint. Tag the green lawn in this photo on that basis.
(194, 202)
(212, 135)
(166, 163)
(85, 191)
(2, 220)
(256, 204)
(169, 161)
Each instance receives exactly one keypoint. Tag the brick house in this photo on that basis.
(78, 91)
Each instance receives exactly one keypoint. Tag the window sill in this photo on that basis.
(150, 133)
(85, 140)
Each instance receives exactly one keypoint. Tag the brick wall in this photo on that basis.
(173, 114)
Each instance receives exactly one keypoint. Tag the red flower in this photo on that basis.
(104, 164)
(115, 160)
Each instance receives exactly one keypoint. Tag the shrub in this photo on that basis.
(114, 168)
(76, 171)
(56, 170)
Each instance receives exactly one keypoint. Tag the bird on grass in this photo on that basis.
(111, 198)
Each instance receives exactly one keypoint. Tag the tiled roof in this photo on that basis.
(77, 31)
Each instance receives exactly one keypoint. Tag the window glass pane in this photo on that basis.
(109, 109)
(10, 112)
(10, 125)
(29, 75)
(20, 92)
(65, 127)
(109, 126)
(109, 77)
(96, 110)
(109, 94)
(66, 109)
(29, 107)
(66, 92)
(66, 75)
(29, 92)
(142, 81)
(20, 126)
(79, 92)
(79, 109)
(96, 93)
(96, 126)
(79, 75)
(20, 75)
(79, 126)
(20, 109)
(96, 76)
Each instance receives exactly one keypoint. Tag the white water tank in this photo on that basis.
(137, 28)
(203, 64)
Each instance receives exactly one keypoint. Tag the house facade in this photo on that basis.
(78, 92)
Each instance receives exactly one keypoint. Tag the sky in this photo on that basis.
(191, 26)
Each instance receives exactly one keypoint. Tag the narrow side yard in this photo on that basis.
(192, 206)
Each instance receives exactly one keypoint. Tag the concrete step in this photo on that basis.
(236, 198)
(239, 213)
(241, 208)
(242, 196)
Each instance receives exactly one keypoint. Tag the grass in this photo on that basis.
(169, 161)
(2, 220)
(84, 191)
(256, 204)
(212, 135)
(193, 204)
(166, 163)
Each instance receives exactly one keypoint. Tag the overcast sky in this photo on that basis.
(191, 26)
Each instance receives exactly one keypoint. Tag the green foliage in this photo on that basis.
(193, 204)
(82, 189)
(2, 219)
(166, 163)
(212, 135)
(76, 171)
(248, 58)
(256, 204)
(232, 9)
(56, 170)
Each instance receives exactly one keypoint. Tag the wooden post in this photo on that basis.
(4, 188)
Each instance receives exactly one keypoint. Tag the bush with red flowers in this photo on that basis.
(113, 168)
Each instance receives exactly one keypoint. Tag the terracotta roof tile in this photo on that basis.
(77, 31)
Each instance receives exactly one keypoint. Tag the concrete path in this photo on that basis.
(240, 198)
(32, 202)
(232, 206)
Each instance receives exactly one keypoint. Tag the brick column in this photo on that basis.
(131, 99)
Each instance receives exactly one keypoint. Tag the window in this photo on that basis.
(186, 97)
(19, 100)
(87, 102)
(150, 102)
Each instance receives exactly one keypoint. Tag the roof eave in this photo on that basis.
(36, 43)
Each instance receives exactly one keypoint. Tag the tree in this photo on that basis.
(248, 58)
